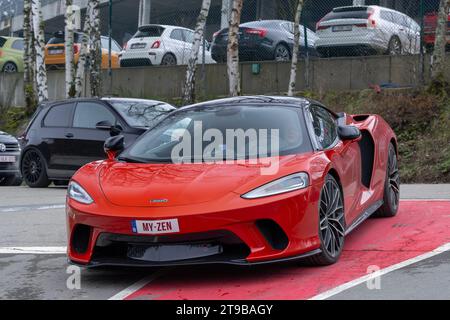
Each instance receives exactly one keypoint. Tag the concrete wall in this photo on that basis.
(335, 74)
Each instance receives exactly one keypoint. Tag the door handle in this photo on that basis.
(69, 135)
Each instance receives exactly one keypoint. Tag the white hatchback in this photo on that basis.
(161, 45)
(367, 30)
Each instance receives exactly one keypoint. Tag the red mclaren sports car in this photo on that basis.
(196, 188)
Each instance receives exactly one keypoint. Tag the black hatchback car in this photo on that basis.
(63, 136)
(264, 40)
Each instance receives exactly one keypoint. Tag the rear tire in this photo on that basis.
(34, 169)
(391, 194)
(282, 53)
(169, 60)
(331, 224)
(11, 181)
(394, 47)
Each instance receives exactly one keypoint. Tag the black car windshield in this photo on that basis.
(231, 132)
(141, 113)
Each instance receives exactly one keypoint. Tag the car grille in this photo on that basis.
(135, 62)
(11, 147)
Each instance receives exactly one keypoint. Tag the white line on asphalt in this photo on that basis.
(138, 285)
(29, 208)
(33, 250)
(353, 283)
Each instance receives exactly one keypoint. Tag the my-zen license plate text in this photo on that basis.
(155, 226)
(7, 159)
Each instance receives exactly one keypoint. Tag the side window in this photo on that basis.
(188, 36)
(325, 127)
(58, 116)
(386, 15)
(17, 45)
(177, 34)
(88, 114)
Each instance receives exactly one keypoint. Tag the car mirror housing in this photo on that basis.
(113, 146)
(348, 133)
(104, 125)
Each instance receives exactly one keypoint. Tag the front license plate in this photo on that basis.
(7, 159)
(55, 52)
(342, 28)
(155, 226)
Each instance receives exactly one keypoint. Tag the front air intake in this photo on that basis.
(273, 233)
(80, 238)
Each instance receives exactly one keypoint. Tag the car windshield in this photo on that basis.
(141, 113)
(231, 132)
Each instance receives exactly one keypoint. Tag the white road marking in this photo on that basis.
(353, 283)
(30, 208)
(138, 285)
(33, 250)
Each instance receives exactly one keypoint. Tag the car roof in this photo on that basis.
(107, 99)
(165, 26)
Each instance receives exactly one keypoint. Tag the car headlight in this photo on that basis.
(292, 182)
(77, 193)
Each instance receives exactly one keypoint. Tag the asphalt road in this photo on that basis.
(35, 218)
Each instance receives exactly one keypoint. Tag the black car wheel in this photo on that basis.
(169, 60)
(10, 181)
(10, 67)
(282, 53)
(395, 46)
(391, 196)
(34, 170)
(331, 224)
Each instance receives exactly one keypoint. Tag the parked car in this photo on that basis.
(55, 51)
(161, 45)
(9, 160)
(145, 208)
(63, 136)
(367, 30)
(430, 23)
(263, 40)
(11, 54)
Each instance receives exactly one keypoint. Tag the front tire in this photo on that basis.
(10, 67)
(331, 224)
(391, 194)
(34, 169)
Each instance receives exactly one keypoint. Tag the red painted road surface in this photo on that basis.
(419, 227)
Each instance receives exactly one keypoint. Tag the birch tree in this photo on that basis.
(292, 80)
(234, 77)
(69, 40)
(189, 85)
(438, 62)
(39, 44)
(95, 57)
(29, 65)
(84, 52)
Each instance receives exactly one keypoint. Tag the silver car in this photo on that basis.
(367, 30)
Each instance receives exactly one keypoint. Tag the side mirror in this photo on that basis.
(104, 125)
(113, 146)
(348, 133)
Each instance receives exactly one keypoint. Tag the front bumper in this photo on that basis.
(281, 230)
(10, 168)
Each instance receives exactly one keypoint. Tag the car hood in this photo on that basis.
(7, 138)
(156, 185)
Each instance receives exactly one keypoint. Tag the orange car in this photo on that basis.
(55, 51)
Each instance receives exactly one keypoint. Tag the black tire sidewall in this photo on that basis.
(43, 180)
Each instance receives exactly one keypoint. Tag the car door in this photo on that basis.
(86, 141)
(345, 157)
(176, 45)
(53, 134)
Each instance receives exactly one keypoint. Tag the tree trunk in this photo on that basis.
(41, 72)
(189, 85)
(234, 76)
(29, 66)
(438, 63)
(69, 39)
(83, 56)
(95, 58)
(295, 50)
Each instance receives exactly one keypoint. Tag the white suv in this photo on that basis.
(161, 45)
(367, 30)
